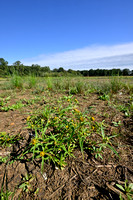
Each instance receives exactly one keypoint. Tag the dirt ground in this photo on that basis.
(81, 179)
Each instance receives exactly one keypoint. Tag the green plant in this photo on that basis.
(32, 81)
(59, 130)
(26, 184)
(18, 105)
(49, 83)
(16, 82)
(4, 159)
(80, 87)
(103, 142)
(104, 97)
(116, 84)
(6, 194)
(127, 189)
(3, 101)
(124, 109)
(7, 140)
(116, 124)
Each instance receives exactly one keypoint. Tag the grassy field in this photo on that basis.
(66, 138)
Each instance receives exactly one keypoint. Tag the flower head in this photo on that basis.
(76, 110)
(81, 119)
(93, 119)
(55, 118)
(42, 153)
(34, 141)
(28, 118)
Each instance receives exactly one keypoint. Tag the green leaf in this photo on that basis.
(121, 187)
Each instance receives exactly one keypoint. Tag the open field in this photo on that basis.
(66, 138)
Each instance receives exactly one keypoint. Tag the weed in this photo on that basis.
(7, 194)
(32, 81)
(16, 82)
(104, 97)
(26, 183)
(6, 140)
(124, 109)
(59, 130)
(127, 189)
(49, 84)
(116, 124)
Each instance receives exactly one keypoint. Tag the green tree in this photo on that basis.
(3, 67)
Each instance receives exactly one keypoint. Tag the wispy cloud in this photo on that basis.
(96, 56)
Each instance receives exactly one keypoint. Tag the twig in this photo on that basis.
(53, 194)
(108, 166)
(117, 191)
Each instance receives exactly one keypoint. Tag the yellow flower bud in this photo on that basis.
(81, 119)
(93, 119)
(34, 141)
(42, 153)
(28, 118)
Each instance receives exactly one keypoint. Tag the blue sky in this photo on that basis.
(76, 34)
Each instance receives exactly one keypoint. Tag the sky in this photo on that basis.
(73, 34)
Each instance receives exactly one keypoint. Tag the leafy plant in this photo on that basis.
(6, 140)
(3, 102)
(127, 189)
(116, 124)
(16, 82)
(26, 183)
(32, 81)
(59, 130)
(6, 194)
(104, 97)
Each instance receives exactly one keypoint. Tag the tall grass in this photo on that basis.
(32, 81)
(16, 82)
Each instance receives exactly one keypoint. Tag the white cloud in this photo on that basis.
(115, 56)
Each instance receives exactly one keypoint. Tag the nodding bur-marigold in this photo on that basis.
(66, 126)
(93, 127)
(93, 119)
(34, 141)
(42, 153)
(32, 126)
(68, 100)
(28, 118)
(76, 110)
(55, 118)
(81, 119)
(76, 100)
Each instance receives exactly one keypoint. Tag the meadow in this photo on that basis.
(66, 138)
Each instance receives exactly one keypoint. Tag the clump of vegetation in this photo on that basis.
(16, 82)
(59, 130)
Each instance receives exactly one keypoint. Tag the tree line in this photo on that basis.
(36, 70)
